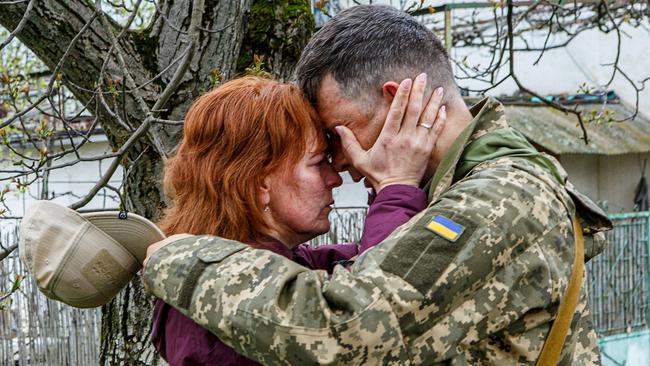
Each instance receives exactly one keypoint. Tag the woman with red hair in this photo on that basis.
(253, 167)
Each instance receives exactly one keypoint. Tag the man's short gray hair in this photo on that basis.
(365, 46)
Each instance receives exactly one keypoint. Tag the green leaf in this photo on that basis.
(17, 281)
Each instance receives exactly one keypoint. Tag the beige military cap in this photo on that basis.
(83, 260)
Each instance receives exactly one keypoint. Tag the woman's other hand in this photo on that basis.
(403, 149)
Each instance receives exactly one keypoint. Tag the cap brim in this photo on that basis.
(134, 232)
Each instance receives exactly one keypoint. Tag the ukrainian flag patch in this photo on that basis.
(446, 228)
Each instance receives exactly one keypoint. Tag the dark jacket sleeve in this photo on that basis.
(392, 207)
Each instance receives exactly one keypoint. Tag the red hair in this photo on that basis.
(234, 137)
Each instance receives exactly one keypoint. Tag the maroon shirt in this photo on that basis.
(182, 342)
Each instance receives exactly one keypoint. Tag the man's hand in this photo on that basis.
(155, 246)
(403, 149)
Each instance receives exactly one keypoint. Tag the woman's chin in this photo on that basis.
(322, 228)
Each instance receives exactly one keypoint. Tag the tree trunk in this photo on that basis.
(276, 30)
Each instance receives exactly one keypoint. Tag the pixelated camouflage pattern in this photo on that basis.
(416, 298)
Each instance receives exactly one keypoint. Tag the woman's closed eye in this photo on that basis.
(319, 159)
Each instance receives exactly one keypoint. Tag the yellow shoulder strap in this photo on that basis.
(555, 340)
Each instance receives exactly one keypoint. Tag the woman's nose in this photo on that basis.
(333, 178)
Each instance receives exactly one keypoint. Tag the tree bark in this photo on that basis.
(276, 30)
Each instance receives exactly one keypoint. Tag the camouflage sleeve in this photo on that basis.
(417, 298)
(272, 309)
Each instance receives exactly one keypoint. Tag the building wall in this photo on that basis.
(607, 179)
(584, 60)
(69, 184)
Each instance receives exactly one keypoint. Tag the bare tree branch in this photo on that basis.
(528, 91)
(6, 251)
(135, 137)
(55, 72)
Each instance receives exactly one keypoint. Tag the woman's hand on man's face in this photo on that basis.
(403, 149)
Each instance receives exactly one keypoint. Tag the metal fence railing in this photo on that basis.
(618, 279)
(35, 330)
(347, 226)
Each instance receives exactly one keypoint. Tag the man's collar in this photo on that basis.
(488, 116)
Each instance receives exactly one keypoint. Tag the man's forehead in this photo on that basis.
(334, 108)
(339, 115)
(328, 95)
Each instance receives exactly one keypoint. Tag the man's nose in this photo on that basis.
(339, 162)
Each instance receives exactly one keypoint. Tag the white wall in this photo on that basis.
(582, 61)
(607, 178)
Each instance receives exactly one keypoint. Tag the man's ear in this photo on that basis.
(389, 90)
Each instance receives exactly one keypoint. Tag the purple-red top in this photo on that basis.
(182, 342)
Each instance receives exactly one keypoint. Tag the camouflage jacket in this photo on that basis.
(418, 298)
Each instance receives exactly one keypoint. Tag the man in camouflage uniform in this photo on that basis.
(476, 278)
